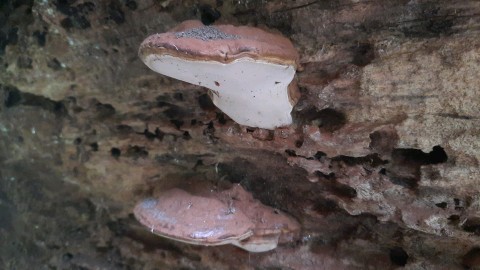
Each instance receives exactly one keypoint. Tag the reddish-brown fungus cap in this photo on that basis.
(267, 220)
(181, 216)
(223, 43)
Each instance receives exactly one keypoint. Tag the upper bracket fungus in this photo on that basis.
(249, 71)
(228, 217)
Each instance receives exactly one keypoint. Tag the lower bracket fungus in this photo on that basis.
(249, 71)
(228, 217)
(181, 216)
(271, 226)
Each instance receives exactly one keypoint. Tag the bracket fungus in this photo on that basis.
(250, 72)
(228, 217)
(271, 226)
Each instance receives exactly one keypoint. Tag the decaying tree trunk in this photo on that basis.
(380, 168)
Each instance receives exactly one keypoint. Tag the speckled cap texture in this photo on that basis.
(223, 43)
(180, 215)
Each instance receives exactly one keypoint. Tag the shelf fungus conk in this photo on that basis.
(229, 217)
(250, 72)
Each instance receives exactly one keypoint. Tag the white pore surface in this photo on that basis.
(252, 93)
(258, 244)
